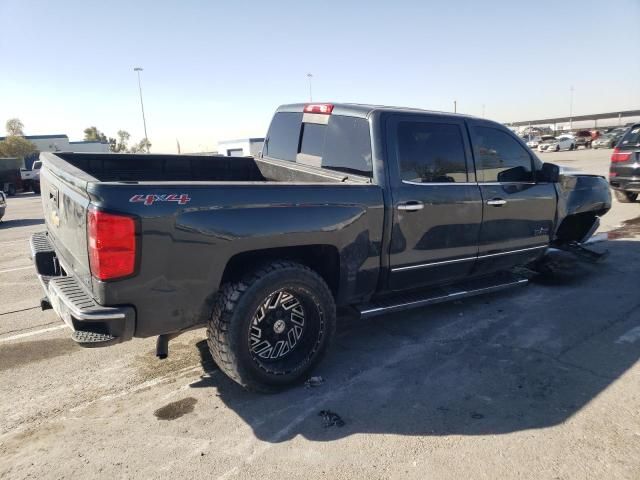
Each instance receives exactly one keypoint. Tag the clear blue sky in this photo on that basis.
(215, 70)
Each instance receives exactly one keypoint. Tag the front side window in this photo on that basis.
(499, 157)
(431, 152)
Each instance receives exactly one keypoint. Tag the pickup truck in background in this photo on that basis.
(368, 208)
(31, 178)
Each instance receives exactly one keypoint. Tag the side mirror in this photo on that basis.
(549, 172)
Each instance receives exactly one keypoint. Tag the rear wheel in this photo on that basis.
(625, 197)
(271, 328)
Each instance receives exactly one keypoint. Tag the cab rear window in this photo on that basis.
(342, 144)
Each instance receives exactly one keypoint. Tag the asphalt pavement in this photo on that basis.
(538, 382)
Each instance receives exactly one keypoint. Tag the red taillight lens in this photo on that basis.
(324, 108)
(618, 156)
(112, 244)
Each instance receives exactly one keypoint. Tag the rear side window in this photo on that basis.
(431, 152)
(631, 139)
(343, 145)
(499, 157)
(283, 136)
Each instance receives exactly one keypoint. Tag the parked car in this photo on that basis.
(624, 172)
(372, 208)
(3, 204)
(553, 144)
(533, 142)
(583, 138)
(606, 140)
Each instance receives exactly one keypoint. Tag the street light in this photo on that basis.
(310, 76)
(571, 108)
(144, 122)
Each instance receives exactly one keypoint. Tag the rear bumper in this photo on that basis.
(626, 184)
(94, 325)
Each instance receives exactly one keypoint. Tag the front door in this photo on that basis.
(518, 211)
(437, 207)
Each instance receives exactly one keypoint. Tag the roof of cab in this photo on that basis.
(364, 110)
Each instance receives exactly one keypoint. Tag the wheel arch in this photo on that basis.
(322, 258)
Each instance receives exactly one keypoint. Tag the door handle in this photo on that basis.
(412, 206)
(496, 202)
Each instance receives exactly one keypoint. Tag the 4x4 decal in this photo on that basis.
(150, 199)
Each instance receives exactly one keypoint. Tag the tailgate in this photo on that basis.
(64, 203)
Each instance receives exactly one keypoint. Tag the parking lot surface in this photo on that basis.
(539, 382)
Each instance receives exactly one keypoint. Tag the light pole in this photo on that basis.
(455, 106)
(144, 122)
(571, 108)
(310, 76)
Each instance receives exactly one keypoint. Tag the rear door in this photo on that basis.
(518, 211)
(437, 207)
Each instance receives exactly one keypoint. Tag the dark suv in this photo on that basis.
(624, 173)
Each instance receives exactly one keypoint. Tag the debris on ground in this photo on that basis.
(314, 382)
(331, 419)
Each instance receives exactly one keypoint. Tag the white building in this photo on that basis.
(240, 148)
(61, 143)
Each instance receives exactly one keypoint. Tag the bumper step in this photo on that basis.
(93, 339)
(441, 294)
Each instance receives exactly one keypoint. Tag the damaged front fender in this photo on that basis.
(582, 199)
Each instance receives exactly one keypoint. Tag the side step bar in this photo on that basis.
(442, 294)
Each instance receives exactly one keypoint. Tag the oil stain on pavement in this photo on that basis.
(176, 409)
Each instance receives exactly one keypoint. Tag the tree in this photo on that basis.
(16, 146)
(15, 127)
(92, 134)
(142, 146)
(123, 140)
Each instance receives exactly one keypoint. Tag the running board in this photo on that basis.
(441, 294)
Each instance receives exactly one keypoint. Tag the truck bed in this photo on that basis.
(211, 168)
(194, 214)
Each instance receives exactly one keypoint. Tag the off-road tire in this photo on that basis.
(625, 197)
(234, 310)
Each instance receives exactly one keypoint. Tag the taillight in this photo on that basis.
(111, 244)
(618, 156)
(324, 108)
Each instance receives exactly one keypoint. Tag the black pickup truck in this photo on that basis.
(355, 207)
